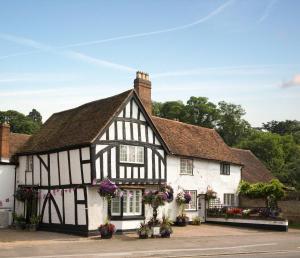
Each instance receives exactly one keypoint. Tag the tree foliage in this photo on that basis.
(19, 123)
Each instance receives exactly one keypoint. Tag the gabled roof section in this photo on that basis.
(194, 141)
(253, 170)
(77, 126)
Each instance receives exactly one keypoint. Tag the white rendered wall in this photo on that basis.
(7, 178)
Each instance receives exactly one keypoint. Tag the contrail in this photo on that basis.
(137, 35)
(266, 12)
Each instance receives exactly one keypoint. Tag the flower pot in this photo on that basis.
(143, 236)
(107, 235)
(181, 222)
(20, 225)
(165, 234)
(155, 231)
(32, 227)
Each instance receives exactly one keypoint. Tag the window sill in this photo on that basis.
(191, 210)
(185, 174)
(138, 217)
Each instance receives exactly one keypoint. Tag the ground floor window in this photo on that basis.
(229, 199)
(129, 204)
(193, 203)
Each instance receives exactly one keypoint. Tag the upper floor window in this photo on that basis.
(186, 166)
(192, 205)
(132, 154)
(229, 199)
(29, 163)
(225, 169)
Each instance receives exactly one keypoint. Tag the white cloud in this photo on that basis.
(295, 81)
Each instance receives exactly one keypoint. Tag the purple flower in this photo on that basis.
(187, 197)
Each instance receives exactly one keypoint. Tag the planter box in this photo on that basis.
(278, 225)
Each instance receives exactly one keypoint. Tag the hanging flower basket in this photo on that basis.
(108, 189)
(211, 194)
(155, 198)
(168, 190)
(25, 194)
(183, 198)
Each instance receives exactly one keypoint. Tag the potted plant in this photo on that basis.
(165, 227)
(155, 199)
(106, 230)
(144, 231)
(34, 222)
(168, 190)
(20, 221)
(196, 221)
(182, 198)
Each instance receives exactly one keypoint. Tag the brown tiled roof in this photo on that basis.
(77, 126)
(193, 141)
(16, 142)
(254, 170)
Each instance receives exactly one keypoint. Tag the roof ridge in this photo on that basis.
(175, 121)
(94, 101)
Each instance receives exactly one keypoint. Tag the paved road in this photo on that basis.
(258, 244)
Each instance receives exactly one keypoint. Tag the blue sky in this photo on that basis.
(56, 54)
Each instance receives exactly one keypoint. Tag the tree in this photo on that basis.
(199, 111)
(172, 110)
(19, 123)
(282, 127)
(231, 126)
(280, 154)
(35, 116)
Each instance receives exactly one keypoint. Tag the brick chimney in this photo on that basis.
(142, 86)
(4, 142)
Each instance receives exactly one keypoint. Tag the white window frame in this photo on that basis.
(29, 163)
(132, 154)
(131, 201)
(225, 169)
(186, 166)
(229, 199)
(192, 206)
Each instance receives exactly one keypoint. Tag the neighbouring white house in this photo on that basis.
(118, 138)
(10, 143)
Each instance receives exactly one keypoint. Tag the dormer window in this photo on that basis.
(29, 163)
(131, 154)
(225, 169)
(186, 167)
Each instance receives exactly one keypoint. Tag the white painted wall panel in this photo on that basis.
(121, 114)
(156, 167)
(149, 157)
(28, 178)
(57, 195)
(150, 135)
(127, 110)
(129, 174)
(21, 170)
(75, 166)
(135, 131)
(97, 164)
(100, 147)
(113, 163)
(80, 194)
(142, 172)
(122, 172)
(143, 133)
(157, 141)
(36, 167)
(54, 178)
(112, 131)
(81, 219)
(44, 175)
(135, 172)
(69, 207)
(86, 172)
(127, 130)
(105, 164)
(64, 168)
(85, 152)
(142, 118)
(135, 109)
(120, 130)
(103, 137)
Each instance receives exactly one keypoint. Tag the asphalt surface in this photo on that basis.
(252, 244)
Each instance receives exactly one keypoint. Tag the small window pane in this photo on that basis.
(123, 153)
(186, 166)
